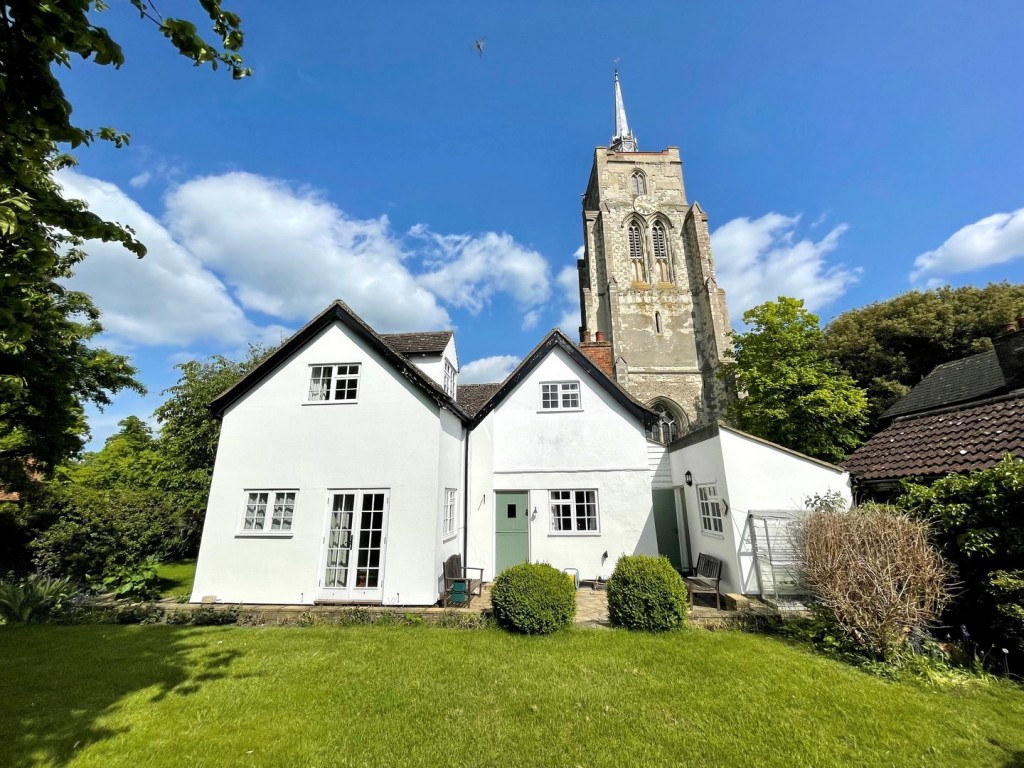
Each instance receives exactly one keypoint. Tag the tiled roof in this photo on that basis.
(963, 440)
(960, 381)
(421, 343)
(471, 397)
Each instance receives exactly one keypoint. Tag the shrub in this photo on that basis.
(876, 572)
(34, 598)
(138, 581)
(646, 593)
(533, 598)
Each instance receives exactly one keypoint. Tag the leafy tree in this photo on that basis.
(794, 394)
(977, 518)
(891, 345)
(47, 368)
(189, 432)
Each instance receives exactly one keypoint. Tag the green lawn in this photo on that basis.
(175, 577)
(393, 696)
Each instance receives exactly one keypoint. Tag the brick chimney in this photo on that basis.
(600, 352)
(1010, 353)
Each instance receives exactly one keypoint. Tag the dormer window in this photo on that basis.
(335, 383)
(639, 182)
(560, 396)
(449, 378)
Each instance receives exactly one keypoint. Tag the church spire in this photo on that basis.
(623, 140)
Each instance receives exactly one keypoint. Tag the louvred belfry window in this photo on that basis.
(660, 242)
(636, 254)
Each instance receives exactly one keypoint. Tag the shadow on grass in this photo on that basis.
(59, 683)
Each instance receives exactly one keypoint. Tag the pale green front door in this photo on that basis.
(511, 537)
(666, 526)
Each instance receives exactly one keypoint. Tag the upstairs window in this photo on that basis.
(636, 253)
(639, 182)
(573, 511)
(560, 396)
(268, 512)
(660, 242)
(710, 509)
(334, 383)
(449, 378)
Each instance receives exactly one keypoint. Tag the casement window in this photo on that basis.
(337, 383)
(573, 511)
(449, 378)
(639, 183)
(710, 508)
(448, 526)
(560, 396)
(268, 512)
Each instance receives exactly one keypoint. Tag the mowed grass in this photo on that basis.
(176, 577)
(396, 696)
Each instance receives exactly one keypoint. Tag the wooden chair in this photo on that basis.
(459, 588)
(706, 579)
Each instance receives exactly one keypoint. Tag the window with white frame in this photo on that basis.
(449, 378)
(560, 396)
(573, 511)
(336, 383)
(710, 508)
(448, 527)
(268, 511)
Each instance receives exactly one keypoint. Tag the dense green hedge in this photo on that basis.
(646, 593)
(533, 598)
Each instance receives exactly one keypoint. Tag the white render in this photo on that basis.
(404, 438)
(751, 476)
(599, 447)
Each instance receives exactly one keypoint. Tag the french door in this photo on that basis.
(354, 545)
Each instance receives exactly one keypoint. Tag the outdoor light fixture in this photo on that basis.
(688, 477)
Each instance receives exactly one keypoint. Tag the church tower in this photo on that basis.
(653, 314)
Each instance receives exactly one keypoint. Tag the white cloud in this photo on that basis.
(762, 259)
(168, 297)
(140, 180)
(488, 370)
(568, 281)
(287, 253)
(995, 239)
(466, 271)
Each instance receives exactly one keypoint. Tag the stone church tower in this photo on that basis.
(653, 314)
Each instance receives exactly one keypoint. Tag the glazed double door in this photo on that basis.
(354, 545)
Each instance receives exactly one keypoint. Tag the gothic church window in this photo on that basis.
(636, 253)
(668, 426)
(639, 183)
(660, 241)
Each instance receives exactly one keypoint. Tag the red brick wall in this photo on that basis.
(600, 353)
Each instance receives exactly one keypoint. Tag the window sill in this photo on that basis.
(573, 534)
(712, 535)
(262, 535)
(560, 410)
(330, 402)
(448, 536)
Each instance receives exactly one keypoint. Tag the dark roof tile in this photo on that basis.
(420, 343)
(471, 397)
(959, 381)
(973, 438)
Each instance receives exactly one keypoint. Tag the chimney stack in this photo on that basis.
(599, 351)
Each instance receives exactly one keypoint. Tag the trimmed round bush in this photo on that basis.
(646, 593)
(533, 598)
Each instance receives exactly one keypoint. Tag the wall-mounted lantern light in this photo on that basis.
(688, 477)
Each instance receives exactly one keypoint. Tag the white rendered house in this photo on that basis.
(351, 465)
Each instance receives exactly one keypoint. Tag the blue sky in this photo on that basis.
(844, 153)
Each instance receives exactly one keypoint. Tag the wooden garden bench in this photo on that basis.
(706, 579)
(459, 588)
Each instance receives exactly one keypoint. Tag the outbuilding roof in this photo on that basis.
(471, 397)
(960, 381)
(962, 440)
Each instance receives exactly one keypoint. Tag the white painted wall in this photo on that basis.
(751, 476)
(450, 475)
(770, 478)
(599, 447)
(661, 469)
(433, 365)
(480, 516)
(272, 439)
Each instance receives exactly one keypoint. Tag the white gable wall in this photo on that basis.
(600, 447)
(271, 439)
(480, 515)
(433, 365)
